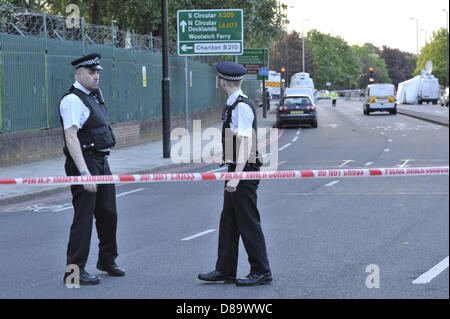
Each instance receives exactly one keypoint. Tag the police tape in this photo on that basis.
(190, 177)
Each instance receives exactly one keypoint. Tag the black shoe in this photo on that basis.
(254, 279)
(217, 276)
(85, 278)
(112, 270)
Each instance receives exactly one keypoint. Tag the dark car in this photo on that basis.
(296, 109)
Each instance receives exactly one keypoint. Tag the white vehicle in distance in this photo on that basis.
(380, 98)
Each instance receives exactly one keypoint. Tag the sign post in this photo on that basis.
(256, 61)
(210, 32)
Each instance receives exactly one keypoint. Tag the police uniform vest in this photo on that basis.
(230, 159)
(96, 133)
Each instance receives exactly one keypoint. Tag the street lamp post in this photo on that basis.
(446, 50)
(417, 34)
(303, 44)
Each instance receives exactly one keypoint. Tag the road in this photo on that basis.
(326, 238)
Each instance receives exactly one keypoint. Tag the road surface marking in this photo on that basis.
(389, 140)
(130, 192)
(331, 183)
(199, 234)
(295, 138)
(285, 146)
(298, 133)
(368, 164)
(386, 150)
(405, 162)
(117, 196)
(217, 169)
(345, 163)
(433, 272)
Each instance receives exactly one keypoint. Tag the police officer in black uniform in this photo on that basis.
(240, 216)
(88, 139)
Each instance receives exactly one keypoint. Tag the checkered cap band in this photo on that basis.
(231, 77)
(88, 62)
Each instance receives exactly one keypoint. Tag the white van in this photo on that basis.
(301, 91)
(301, 79)
(428, 89)
(380, 98)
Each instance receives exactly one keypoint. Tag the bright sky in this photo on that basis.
(380, 22)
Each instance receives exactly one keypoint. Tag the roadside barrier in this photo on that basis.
(271, 175)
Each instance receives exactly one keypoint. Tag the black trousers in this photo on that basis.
(240, 218)
(101, 205)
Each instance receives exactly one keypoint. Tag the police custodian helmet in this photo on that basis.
(231, 71)
(90, 61)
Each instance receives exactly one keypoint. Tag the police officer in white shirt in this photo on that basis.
(88, 139)
(240, 216)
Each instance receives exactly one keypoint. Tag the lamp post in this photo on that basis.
(303, 44)
(417, 34)
(446, 50)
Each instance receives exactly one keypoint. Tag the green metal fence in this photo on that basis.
(32, 82)
(35, 71)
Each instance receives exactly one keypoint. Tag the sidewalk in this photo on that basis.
(138, 159)
(432, 113)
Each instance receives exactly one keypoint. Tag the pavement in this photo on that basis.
(138, 159)
(148, 157)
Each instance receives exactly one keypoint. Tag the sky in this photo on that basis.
(380, 22)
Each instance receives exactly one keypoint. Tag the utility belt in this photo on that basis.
(88, 149)
(232, 165)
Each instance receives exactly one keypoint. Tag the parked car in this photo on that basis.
(380, 97)
(443, 99)
(297, 109)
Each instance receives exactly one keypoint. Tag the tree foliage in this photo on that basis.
(264, 21)
(400, 65)
(334, 61)
(435, 51)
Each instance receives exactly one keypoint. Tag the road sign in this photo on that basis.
(263, 72)
(210, 32)
(253, 60)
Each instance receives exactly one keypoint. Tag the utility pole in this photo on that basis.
(446, 50)
(165, 83)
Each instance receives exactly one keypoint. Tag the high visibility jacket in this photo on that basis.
(334, 95)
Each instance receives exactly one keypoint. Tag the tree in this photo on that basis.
(292, 44)
(369, 56)
(263, 19)
(435, 51)
(334, 61)
(400, 65)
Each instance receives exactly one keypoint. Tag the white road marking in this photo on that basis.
(217, 169)
(345, 163)
(117, 196)
(285, 146)
(64, 208)
(405, 161)
(130, 192)
(368, 164)
(386, 150)
(199, 234)
(331, 183)
(433, 272)
(295, 138)
(298, 133)
(389, 140)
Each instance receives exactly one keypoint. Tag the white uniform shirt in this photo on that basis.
(241, 117)
(73, 111)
